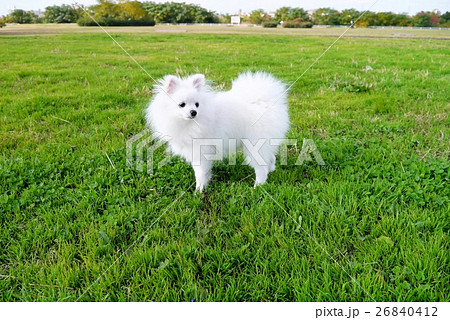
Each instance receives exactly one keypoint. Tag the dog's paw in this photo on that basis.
(257, 184)
(199, 188)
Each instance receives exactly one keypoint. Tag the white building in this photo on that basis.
(235, 20)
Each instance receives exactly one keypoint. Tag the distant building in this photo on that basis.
(235, 20)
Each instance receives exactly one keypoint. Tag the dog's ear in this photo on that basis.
(169, 83)
(198, 81)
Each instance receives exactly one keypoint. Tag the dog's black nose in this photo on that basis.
(193, 113)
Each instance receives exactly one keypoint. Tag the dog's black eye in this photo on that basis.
(182, 104)
(197, 104)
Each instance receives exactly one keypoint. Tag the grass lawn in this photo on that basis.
(376, 108)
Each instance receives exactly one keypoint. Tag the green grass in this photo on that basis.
(380, 205)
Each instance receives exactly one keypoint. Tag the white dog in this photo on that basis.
(201, 125)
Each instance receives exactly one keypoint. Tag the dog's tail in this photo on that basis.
(260, 88)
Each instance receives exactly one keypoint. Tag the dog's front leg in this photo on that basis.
(202, 175)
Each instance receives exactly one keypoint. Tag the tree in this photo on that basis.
(21, 16)
(174, 12)
(225, 18)
(386, 18)
(122, 13)
(445, 20)
(258, 16)
(401, 20)
(434, 19)
(298, 13)
(2, 22)
(445, 17)
(422, 19)
(62, 14)
(369, 19)
(326, 16)
(282, 14)
(290, 14)
(131, 10)
(105, 9)
(348, 15)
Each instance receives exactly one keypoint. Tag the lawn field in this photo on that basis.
(76, 223)
(53, 29)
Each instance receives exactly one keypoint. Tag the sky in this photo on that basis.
(233, 6)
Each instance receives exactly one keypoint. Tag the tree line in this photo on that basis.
(110, 12)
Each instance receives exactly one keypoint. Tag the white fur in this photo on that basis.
(255, 108)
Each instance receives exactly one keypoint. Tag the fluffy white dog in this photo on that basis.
(201, 125)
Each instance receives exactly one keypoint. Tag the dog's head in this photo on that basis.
(184, 95)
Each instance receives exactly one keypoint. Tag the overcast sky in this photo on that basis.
(233, 6)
